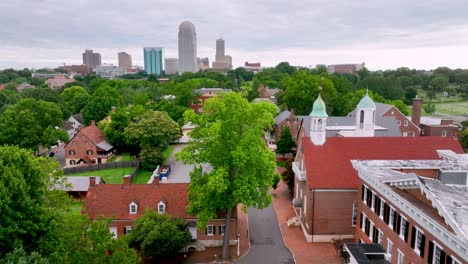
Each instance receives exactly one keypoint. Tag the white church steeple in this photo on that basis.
(365, 117)
(318, 122)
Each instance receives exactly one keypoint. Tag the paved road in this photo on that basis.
(266, 242)
(180, 173)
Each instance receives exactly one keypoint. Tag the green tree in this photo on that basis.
(100, 103)
(24, 187)
(158, 235)
(285, 67)
(75, 98)
(439, 83)
(20, 256)
(119, 120)
(429, 107)
(31, 122)
(228, 136)
(286, 143)
(301, 89)
(464, 138)
(153, 129)
(400, 105)
(151, 158)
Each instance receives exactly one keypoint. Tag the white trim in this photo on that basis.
(354, 214)
(335, 190)
(389, 248)
(400, 254)
(113, 232)
(363, 223)
(372, 205)
(382, 211)
(416, 248)
(163, 209)
(208, 230)
(402, 233)
(130, 211)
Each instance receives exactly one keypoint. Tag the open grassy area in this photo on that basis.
(280, 163)
(142, 176)
(124, 156)
(453, 108)
(109, 175)
(167, 153)
(75, 208)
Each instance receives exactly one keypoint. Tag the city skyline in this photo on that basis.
(385, 35)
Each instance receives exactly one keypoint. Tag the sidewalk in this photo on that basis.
(303, 251)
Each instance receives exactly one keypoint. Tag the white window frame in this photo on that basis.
(113, 232)
(381, 213)
(365, 194)
(371, 231)
(401, 257)
(379, 236)
(163, 206)
(399, 122)
(444, 133)
(222, 229)
(434, 253)
(418, 237)
(128, 229)
(402, 227)
(405, 123)
(391, 217)
(363, 220)
(373, 201)
(208, 230)
(389, 248)
(455, 261)
(304, 208)
(131, 206)
(355, 214)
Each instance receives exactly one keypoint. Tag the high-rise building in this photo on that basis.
(187, 47)
(125, 60)
(223, 62)
(92, 59)
(203, 64)
(171, 65)
(154, 60)
(219, 49)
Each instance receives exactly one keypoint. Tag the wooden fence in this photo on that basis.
(102, 166)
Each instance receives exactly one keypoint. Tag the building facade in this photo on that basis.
(187, 47)
(125, 60)
(109, 71)
(154, 60)
(223, 62)
(79, 69)
(345, 68)
(91, 59)
(58, 82)
(202, 95)
(416, 209)
(171, 65)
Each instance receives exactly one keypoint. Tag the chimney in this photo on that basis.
(127, 180)
(416, 113)
(155, 180)
(92, 182)
(93, 123)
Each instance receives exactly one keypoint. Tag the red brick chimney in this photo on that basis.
(127, 180)
(93, 123)
(416, 113)
(92, 182)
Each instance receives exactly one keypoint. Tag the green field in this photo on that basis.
(74, 209)
(125, 156)
(142, 176)
(453, 108)
(281, 163)
(109, 175)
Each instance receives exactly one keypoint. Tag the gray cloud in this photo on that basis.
(249, 27)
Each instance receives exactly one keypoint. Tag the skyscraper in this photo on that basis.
(171, 65)
(187, 47)
(154, 60)
(219, 49)
(125, 60)
(92, 59)
(223, 62)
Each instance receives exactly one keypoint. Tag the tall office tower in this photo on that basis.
(92, 59)
(219, 50)
(154, 60)
(171, 65)
(187, 47)
(125, 60)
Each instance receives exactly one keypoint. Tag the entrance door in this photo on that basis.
(193, 232)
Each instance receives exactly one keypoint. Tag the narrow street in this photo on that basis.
(267, 244)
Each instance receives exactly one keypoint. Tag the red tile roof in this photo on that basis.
(93, 133)
(329, 167)
(114, 200)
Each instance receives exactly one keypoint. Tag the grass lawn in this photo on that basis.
(167, 153)
(142, 176)
(109, 175)
(453, 108)
(124, 156)
(281, 163)
(75, 208)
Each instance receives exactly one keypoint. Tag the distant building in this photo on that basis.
(154, 60)
(125, 60)
(345, 68)
(203, 64)
(79, 69)
(222, 63)
(187, 47)
(78, 186)
(171, 65)
(73, 124)
(91, 59)
(252, 66)
(58, 82)
(432, 126)
(24, 86)
(202, 95)
(416, 209)
(109, 71)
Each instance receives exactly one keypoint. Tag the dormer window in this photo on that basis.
(133, 208)
(161, 207)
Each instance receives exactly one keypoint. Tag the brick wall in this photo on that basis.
(405, 124)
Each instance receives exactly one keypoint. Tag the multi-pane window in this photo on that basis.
(354, 214)
(400, 257)
(392, 217)
(364, 193)
(389, 248)
(161, 207)
(379, 237)
(127, 229)
(437, 254)
(210, 230)
(373, 202)
(363, 222)
(113, 231)
(406, 122)
(381, 213)
(403, 227)
(418, 242)
(133, 208)
(221, 229)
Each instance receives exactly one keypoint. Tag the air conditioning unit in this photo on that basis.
(388, 257)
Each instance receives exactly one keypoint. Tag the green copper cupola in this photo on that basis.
(319, 109)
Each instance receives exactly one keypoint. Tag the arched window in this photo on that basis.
(361, 119)
(133, 208)
(89, 152)
(161, 207)
(320, 125)
(354, 213)
(72, 162)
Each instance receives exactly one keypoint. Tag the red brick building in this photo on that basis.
(202, 95)
(88, 146)
(79, 69)
(326, 185)
(416, 209)
(126, 202)
(431, 126)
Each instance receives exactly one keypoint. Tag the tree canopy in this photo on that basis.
(228, 136)
(286, 142)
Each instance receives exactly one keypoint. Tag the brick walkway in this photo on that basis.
(303, 251)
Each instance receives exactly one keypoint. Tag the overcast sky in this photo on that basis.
(383, 34)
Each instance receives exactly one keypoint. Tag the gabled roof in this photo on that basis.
(78, 117)
(95, 135)
(281, 117)
(114, 200)
(79, 183)
(328, 166)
